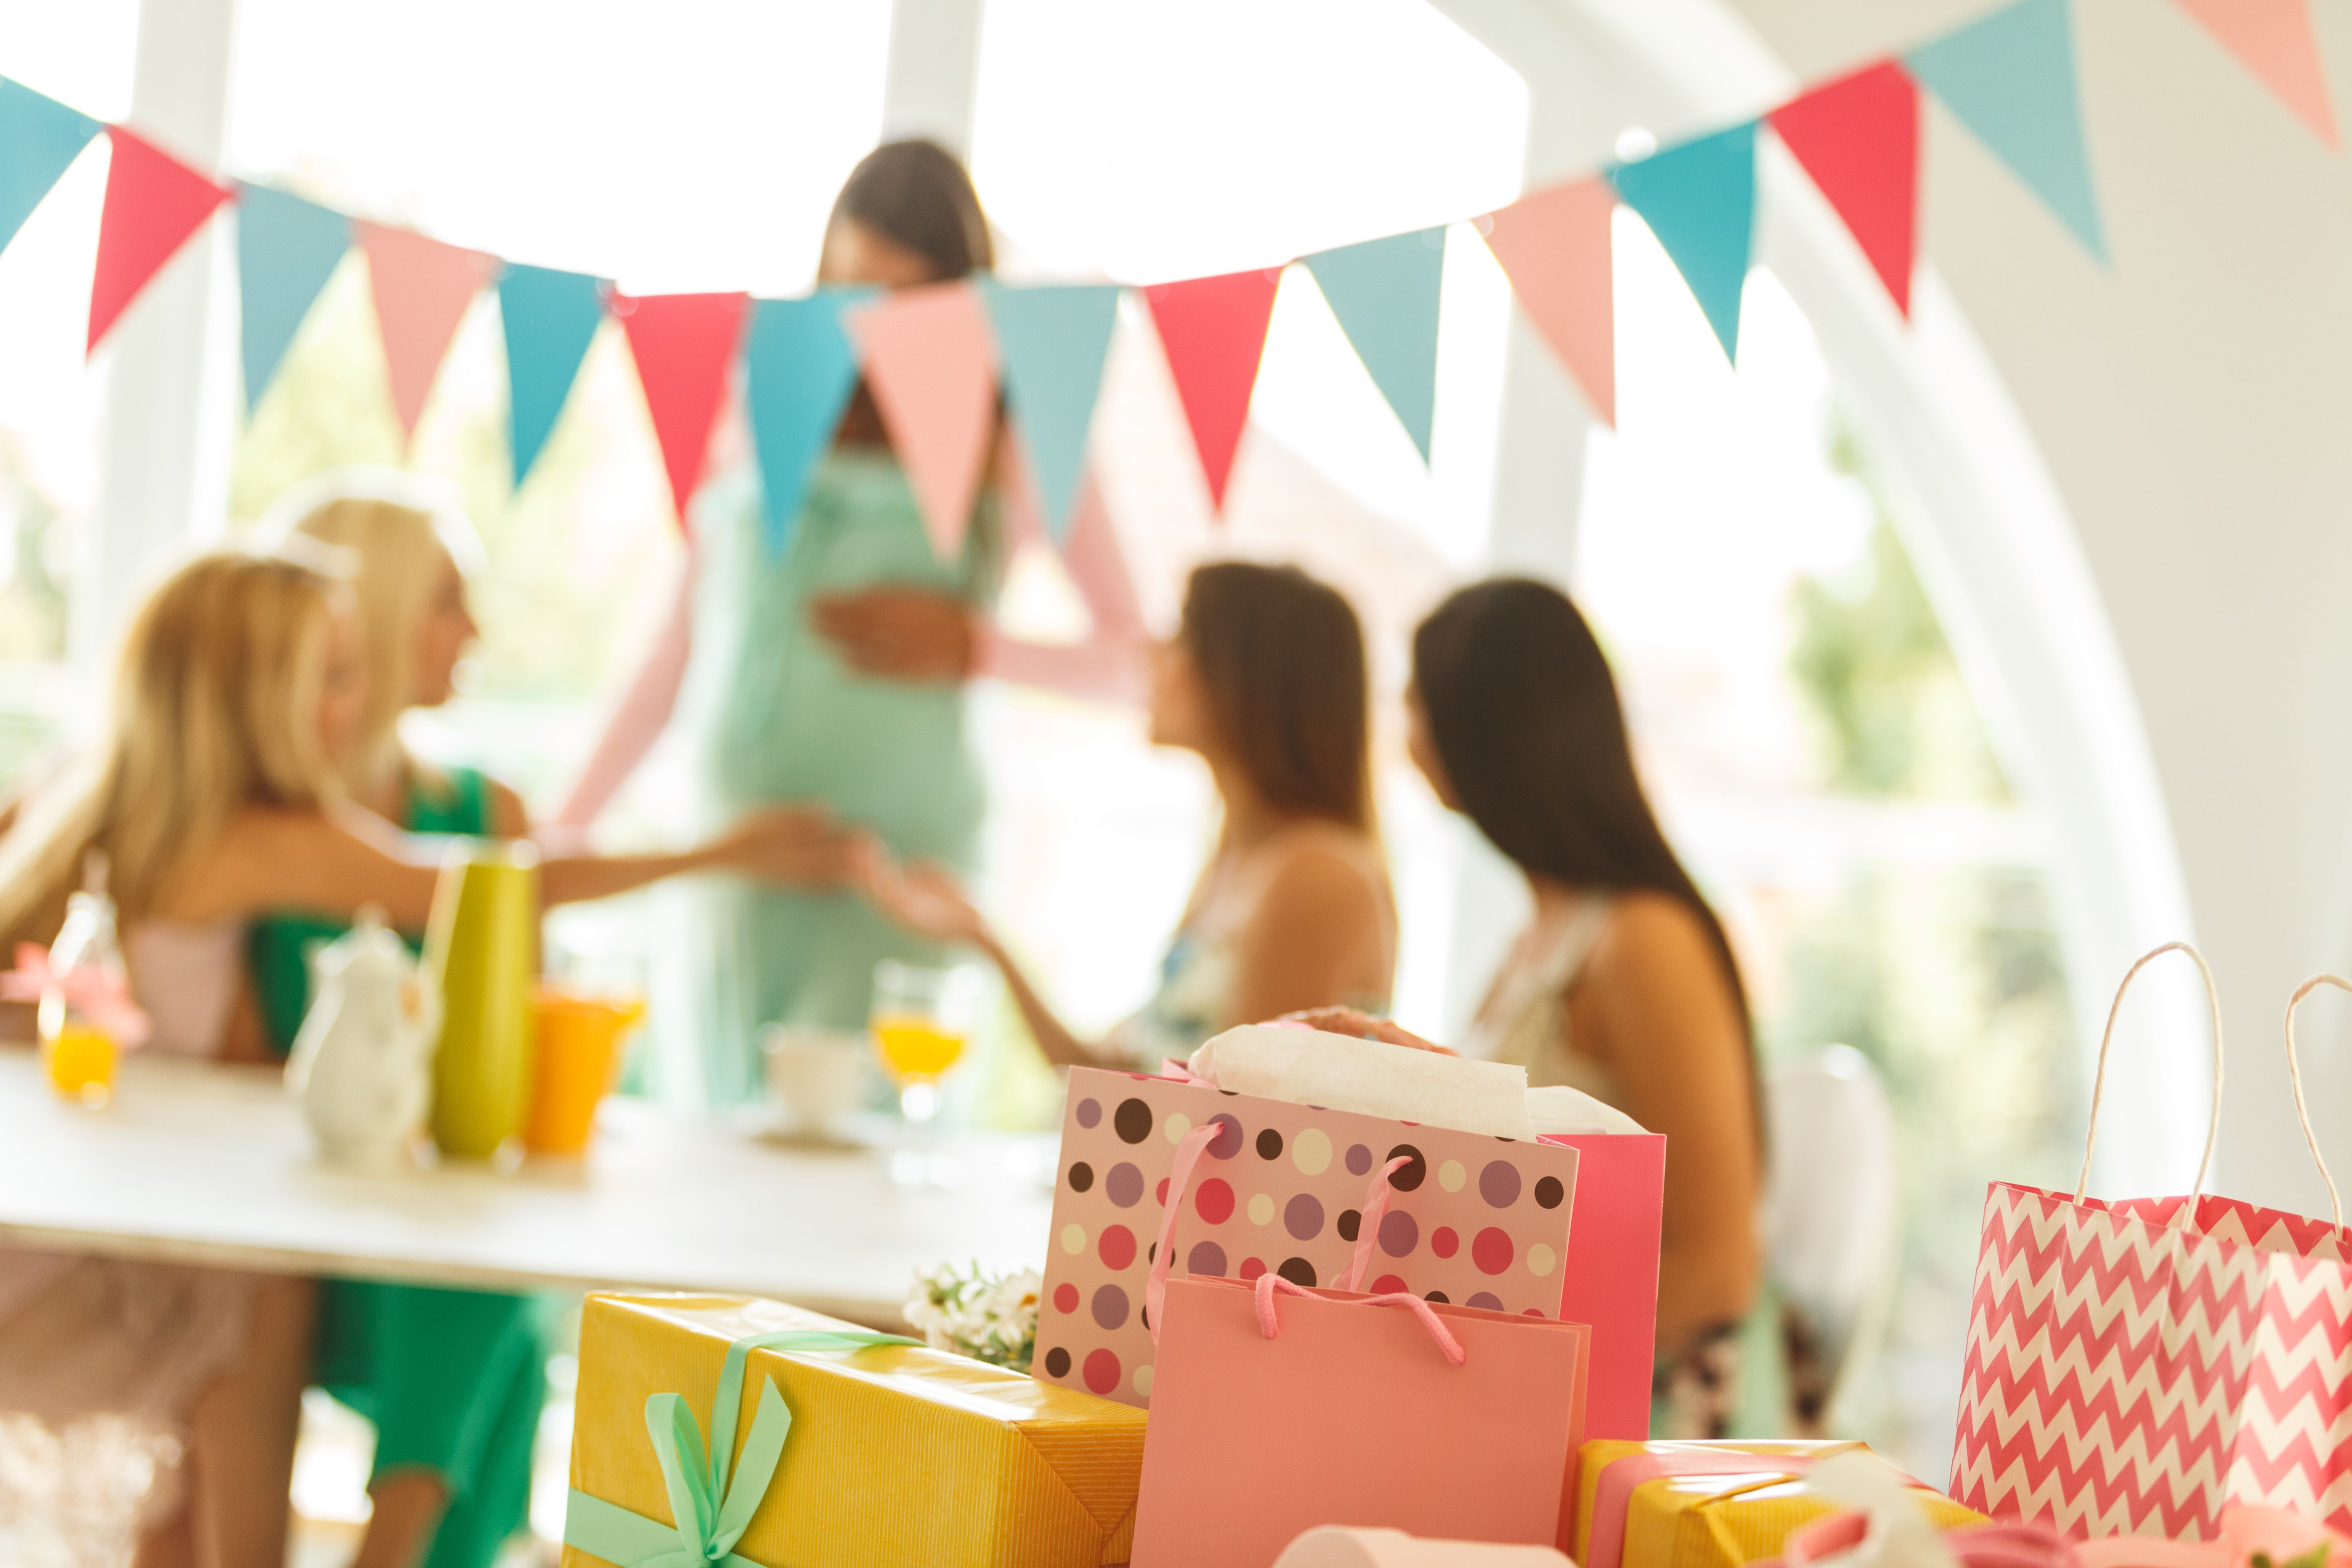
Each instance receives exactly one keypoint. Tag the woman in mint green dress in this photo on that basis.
(834, 672)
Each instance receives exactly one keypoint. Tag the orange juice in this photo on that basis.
(915, 1048)
(80, 1062)
(574, 1055)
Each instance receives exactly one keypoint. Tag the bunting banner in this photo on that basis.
(423, 289)
(1553, 246)
(2272, 38)
(39, 140)
(1385, 295)
(1212, 331)
(684, 346)
(2011, 79)
(153, 202)
(934, 356)
(1858, 137)
(548, 317)
(287, 248)
(799, 369)
(1700, 198)
(1053, 341)
(931, 363)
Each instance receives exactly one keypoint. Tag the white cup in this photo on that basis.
(814, 1074)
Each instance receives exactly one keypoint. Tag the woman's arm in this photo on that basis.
(1108, 665)
(638, 718)
(1317, 935)
(1652, 1004)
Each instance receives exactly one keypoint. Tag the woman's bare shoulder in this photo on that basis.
(1323, 860)
(1649, 931)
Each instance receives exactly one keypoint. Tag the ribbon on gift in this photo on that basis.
(708, 1509)
(1613, 1493)
(98, 994)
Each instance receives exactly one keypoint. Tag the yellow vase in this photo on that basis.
(483, 947)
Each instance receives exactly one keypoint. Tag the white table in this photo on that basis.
(212, 1164)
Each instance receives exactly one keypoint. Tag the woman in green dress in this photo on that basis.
(835, 672)
(452, 1379)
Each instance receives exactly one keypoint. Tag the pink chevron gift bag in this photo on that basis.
(2135, 1366)
(1240, 1185)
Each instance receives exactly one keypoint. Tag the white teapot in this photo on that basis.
(363, 1062)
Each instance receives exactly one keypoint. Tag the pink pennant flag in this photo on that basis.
(1214, 330)
(1858, 137)
(1553, 245)
(931, 358)
(683, 344)
(153, 202)
(421, 289)
(2272, 39)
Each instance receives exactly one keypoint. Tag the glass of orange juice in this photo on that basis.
(920, 1020)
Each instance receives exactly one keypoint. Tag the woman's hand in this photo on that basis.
(923, 898)
(899, 633)
(1347, 1021)
(796, 846)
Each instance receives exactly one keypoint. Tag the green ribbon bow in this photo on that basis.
(709, 1511)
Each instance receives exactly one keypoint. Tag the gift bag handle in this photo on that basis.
(1269, 1283)
(2213, 1009)
(1179, 1181)
(2294, 1077)
(1368, 1222)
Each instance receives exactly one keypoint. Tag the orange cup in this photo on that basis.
(577, 1051)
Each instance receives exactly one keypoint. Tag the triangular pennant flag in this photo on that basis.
(287, 248)
(2272, 39)
(1214, 331)
(153, 202)
(931, 361)
(1700, 198)
(2010, 78)
(1384, 292)
(39, 139)
(423, 289)
(1858, 137)
(683, 344)
(550, 319)
(1553, 245)
(1053, 341)
(798, 370)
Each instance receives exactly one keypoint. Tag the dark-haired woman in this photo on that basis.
(1265, 680)
(1622, 983)
(833, 673)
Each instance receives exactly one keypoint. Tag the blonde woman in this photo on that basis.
(212, 796)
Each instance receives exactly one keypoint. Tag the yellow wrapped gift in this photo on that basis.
(1706, 1505)
(752, 1434)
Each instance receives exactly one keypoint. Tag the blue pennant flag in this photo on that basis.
(800, 368)
(2010, 78)
(551, 318)
(287, 248)
(1053, 341)
(39, 138)
(1384, 292)
(1700, 198)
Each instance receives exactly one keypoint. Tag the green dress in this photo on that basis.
(452, 1379)
(770, 714)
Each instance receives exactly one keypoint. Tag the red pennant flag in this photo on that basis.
(2272, 39)
(423, 289)
(1553, 246)
(931, 358)
(1214, 330)
(683, 344)
(153, 202)
(1858, 137)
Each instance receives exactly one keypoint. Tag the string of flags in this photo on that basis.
(935, 358)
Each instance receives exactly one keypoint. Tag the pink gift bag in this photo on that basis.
(1279, 1409)
(1271, 1187)
(1610, 1278)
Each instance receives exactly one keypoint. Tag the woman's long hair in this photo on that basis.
(398, 533)
(917, 196)
(1525, 719)
(1281, 659)
(213, 709)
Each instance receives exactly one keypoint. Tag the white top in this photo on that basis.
(1524, 1019)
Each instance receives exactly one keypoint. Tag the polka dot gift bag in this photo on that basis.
(1241, 1186)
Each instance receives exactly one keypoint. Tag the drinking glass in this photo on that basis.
(920, 1019)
